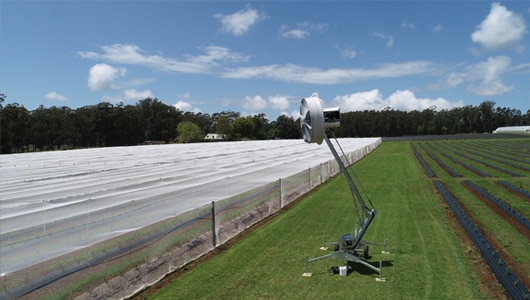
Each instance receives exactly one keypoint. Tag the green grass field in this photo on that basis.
(512, 242)
(427, 258)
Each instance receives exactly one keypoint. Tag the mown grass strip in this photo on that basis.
(426, 260)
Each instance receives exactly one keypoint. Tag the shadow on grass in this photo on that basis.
(364, 270)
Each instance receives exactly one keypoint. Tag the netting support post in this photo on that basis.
(309, 171)
(281, 192)
(214, 241)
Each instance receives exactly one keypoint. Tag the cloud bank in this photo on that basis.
(403, 100)
(130, 54)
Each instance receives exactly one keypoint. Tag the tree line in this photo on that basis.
(484, 118)
(152, 121)
(106, 125)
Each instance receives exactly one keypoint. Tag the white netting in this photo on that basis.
(54, 204)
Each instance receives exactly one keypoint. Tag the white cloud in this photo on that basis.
(438, 27)
(295, 33)
(133, 94)
(303, 74)
(389, 39)
(522, 68)
(404, 100)
(240, 22)
(258, 102)
(254, 103)
(279, 102)
(102, 76)
(490, 89)
(301, 30)
(129, 95)
(502, 29)
(360, 101)
(185, 103)
(215, 54)
(407, 101)
(455, 79)
(483, 78)
(133, 55)
(490, 73)
(55, 96)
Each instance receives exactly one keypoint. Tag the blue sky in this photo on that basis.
(264, 56)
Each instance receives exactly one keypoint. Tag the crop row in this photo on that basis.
(519, 161)
(494, 147)
(420, 159)
(517, 190)
(516, 160)
(518, 149)
(483, 157)
(517, 216)
(497, 216)
(499, 159)
(514, 288)
(444, 156)
(463, 164)
(502, 161)
(489, 165)
(442, 164)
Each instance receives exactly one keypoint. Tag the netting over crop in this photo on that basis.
(181, 200)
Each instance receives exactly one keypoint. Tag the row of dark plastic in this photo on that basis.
(515, 289)
(501, 204)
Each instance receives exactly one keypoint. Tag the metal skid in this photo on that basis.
(344, 250)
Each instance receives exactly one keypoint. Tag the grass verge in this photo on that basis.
(427, 259)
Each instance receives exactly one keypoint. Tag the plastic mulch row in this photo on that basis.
(501, 204)
(515, 289)
(469, 167)
(512, 187)
(424, 164)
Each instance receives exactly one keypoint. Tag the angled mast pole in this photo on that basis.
(360, 206)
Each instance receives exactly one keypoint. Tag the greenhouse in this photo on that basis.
(513, 130)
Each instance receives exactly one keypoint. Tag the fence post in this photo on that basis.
(281, 192)
(310, 178)
(213, 225)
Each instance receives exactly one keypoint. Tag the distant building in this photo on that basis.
(513, 130)
(214, 137)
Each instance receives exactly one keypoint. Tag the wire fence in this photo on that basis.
(149, 254)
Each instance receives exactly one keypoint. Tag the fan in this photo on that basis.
(316, 124)
(312, 119)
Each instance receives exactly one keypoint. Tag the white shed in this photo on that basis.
(513, 130)
(214, 137)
